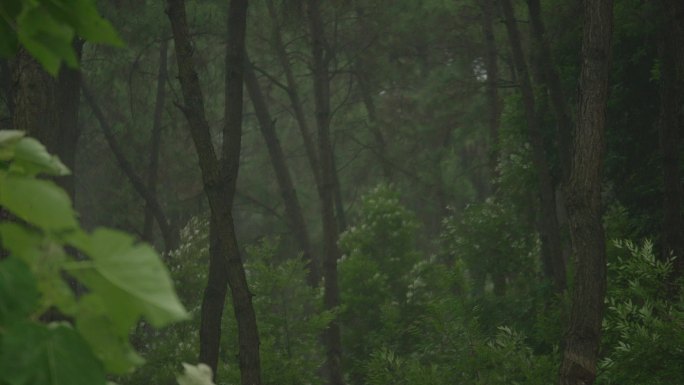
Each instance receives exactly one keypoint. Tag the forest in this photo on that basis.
(341, 192)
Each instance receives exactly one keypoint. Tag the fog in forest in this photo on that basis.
(346, 192)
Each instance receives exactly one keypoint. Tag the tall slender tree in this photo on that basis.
(170, 235)
(155, 137)
(580, 353)
(321, 90)
(219, 177)
(552, 254)
(293, 208)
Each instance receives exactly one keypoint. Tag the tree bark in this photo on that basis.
(219, 178)
(331, 253)
(155, 138)
(584, 199)
(293, 209)
(672, 122)
(47, 108)
(170, 235)
(549, 230)
(551, 80)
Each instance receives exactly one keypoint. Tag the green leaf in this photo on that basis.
(48, 40)
(45, 259)
(82, 15)
(18, 291)
(8, 140)
(131, 279)
(31, 158)
(33, 354)
(109, 341)
(8, 37)
(39, 202)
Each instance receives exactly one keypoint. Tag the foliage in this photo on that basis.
(489, 239)
(46, 28)
(291, 319)
(643, 327)
(289, 313)
(164, 349)
(112, 281)
(375, 270)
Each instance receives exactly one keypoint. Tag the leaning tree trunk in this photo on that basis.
(331, 253)
(219, 177)
(170, 235)
(155, 138)
(293, 209)
(580, 354)
(549, 230)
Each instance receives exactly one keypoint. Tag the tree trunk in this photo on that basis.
(47, 108)
(331, 295)
(363, 78)
(35, 101)
(552, 82)
(492, 68)
(170, 235)
(672, 122)
(549, 230)
(155, 138)
(580, 354)
(293, 209)
(219, 177)
(293, 95)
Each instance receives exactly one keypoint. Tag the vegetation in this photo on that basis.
(349, 192)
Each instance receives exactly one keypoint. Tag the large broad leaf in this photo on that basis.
(45, 259)
(34, 354)
(108, 340)
(31, 158)
(47, 39)
(39, 202)
(131, 279)
(8, 38)
(8, 140)
(18, 291)
(84, 18)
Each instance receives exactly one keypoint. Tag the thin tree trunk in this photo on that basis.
(155, 137)
(548, 229)
(68, 103)
(293, 209)
(552, 81)
(492, 68)
(170, 235)
(340, 211)
(293, 95)
(219, 178)
(321, 85)
(364, 81)
(580, 354)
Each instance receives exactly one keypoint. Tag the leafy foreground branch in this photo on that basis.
(115, 282)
